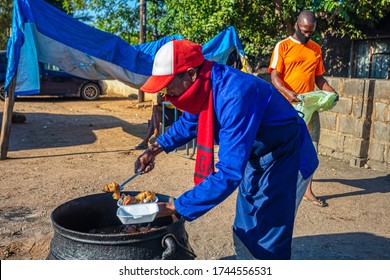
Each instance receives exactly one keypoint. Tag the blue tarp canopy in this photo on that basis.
(42, 33)
(219, 48)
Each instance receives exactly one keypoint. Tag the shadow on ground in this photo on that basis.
(345, 246)
(43, 130)
(366, 186)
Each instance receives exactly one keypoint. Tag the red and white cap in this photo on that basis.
(172, 58)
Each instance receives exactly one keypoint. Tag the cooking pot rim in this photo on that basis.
(85, 236)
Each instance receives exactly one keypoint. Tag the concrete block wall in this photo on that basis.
(357, 129)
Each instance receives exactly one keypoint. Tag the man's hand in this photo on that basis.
(166, 209)
(145, 162)
(292, 96)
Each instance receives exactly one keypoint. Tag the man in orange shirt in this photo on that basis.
(296, 67)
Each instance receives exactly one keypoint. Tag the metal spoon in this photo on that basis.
(128, 180)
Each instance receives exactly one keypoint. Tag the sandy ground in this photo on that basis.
(69, 148)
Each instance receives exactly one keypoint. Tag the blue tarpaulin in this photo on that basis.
(42, 33)
(219, 47)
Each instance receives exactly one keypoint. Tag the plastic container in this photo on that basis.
(119, 202)
(137, 213)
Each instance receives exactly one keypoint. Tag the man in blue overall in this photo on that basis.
(264, 147)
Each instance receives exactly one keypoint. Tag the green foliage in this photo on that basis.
(118, 17)
(59, 5)
(121, 18)
(201, 20)
(155, 11)
(351, 18)
(5, 21)
(6, 7)
(198, 20)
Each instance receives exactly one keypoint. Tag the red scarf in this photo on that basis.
(199, 99)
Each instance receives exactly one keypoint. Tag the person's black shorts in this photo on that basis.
(170, 116)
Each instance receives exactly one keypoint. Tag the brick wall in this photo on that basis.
(357, 129)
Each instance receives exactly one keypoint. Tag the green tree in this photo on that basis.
(261, 23)
(156, 10)
(198, 20)
(343, 17)
(6, 8)
(5, 21)
(255, 21)
(122, 17)
(118, 17)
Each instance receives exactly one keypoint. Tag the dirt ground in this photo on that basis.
(69, 148)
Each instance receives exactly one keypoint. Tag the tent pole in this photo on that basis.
(7, 119)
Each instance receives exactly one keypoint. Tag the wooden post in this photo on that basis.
(7, 119)
(142, 21)
(142, 36)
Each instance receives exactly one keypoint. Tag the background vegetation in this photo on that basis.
(259, 23)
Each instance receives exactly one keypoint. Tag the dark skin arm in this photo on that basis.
(323, 84)
(166, 209)
(145, 162)
(279, 84)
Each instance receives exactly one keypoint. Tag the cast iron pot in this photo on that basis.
(74, 221)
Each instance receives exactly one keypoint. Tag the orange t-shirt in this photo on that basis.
(297, 63)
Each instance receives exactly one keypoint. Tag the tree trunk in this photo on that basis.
(142, 36)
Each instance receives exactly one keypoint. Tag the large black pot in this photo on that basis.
(75, 220)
